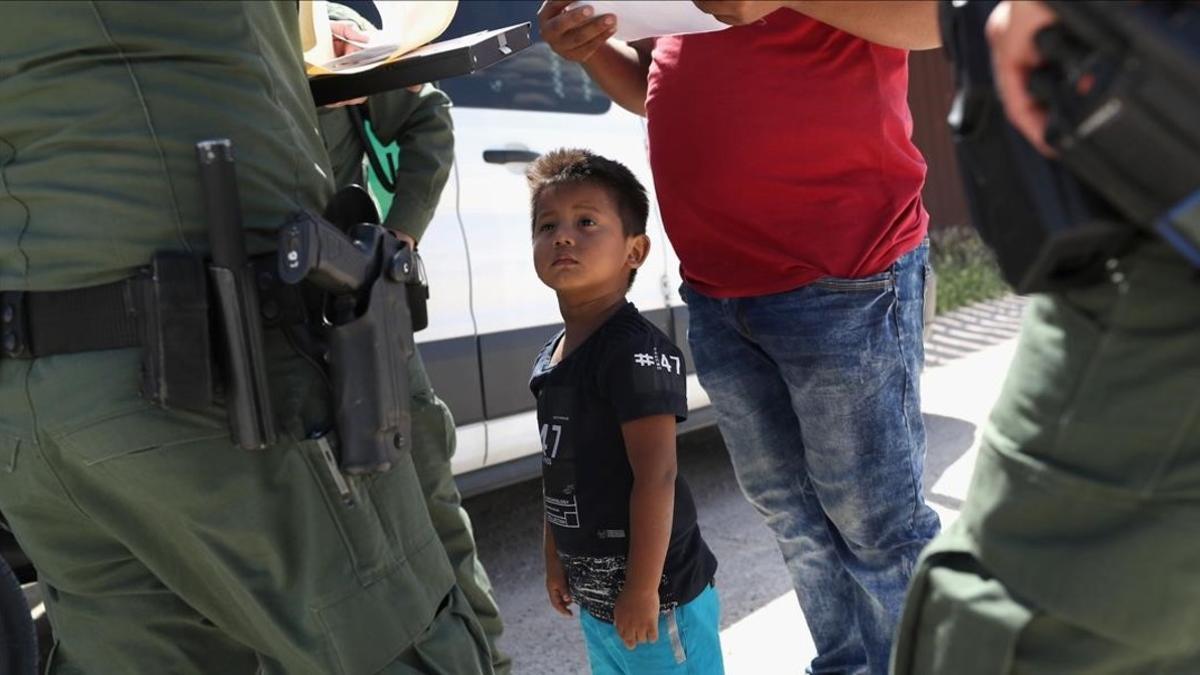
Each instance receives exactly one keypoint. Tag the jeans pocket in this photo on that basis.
(884, 281)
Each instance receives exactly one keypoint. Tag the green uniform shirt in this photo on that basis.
(420, 124)
(103, 105)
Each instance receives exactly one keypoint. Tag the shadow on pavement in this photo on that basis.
(948, 439)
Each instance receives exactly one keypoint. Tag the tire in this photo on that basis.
(18, 643)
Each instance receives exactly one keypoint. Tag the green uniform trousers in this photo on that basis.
(162, 548)
(1078, 547)
(433, 447)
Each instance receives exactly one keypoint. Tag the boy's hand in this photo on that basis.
(636, 616)
(574, 35)
(556, 586)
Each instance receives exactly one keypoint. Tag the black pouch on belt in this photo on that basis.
(176, 346)
(163, 310)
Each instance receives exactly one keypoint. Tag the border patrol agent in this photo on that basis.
(419, 124)
(1076, 550)
(162, 547)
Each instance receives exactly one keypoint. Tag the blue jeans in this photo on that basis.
(817, 396)
(689, 642)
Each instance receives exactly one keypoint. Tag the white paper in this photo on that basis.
(638, 19)
(407, 25)
(360, 60)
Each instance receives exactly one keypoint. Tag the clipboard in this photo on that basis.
(434, 61)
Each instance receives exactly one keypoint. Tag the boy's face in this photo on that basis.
(579, 244)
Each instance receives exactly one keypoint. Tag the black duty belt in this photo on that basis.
(45, 323)
(121, 314)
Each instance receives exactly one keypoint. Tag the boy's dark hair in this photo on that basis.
(573, 165)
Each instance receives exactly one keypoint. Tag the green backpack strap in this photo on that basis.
(386, 176)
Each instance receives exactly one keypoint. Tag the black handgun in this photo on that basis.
(248, 397)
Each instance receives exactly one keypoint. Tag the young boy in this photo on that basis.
(621, 538)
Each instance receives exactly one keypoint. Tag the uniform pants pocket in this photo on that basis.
(959, 620)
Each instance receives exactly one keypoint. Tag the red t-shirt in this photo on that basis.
(781, 153)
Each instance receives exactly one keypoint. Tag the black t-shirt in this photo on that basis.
(626, 370)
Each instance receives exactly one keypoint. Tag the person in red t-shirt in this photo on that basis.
(790, 188)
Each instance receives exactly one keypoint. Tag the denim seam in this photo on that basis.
(739, 319)
(914, 480)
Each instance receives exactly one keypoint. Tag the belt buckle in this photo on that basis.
(14, 326)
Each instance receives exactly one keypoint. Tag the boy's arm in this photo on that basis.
(619, 68)
(650, 446)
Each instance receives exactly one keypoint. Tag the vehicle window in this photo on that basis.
(533, 79)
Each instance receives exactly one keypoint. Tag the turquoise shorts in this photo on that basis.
(689, 642)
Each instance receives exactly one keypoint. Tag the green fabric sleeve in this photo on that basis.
(419, 123)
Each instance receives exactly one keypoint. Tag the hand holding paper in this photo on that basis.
(347, 38)
(574, 33)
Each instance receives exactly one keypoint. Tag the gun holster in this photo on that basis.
(363, 273)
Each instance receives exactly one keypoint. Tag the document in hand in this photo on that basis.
(406, 26)
(638, 19)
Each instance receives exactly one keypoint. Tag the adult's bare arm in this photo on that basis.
(621, 69)
(905, 24)
(576, 35)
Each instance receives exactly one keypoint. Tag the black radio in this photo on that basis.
(1122, 87)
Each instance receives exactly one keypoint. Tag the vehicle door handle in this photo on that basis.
(510, 156)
